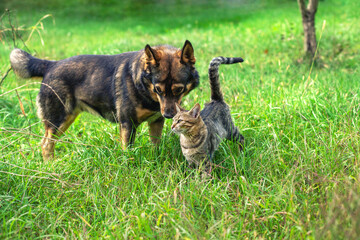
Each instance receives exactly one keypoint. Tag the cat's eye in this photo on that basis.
(158, 90)
(180, 120)
(178, 90)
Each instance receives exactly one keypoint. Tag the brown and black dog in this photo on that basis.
(127, 88)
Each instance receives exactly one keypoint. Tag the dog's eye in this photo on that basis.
(158, 90)
(178, 90)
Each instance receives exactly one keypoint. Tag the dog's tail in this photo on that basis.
(27, 66)
(216, 93)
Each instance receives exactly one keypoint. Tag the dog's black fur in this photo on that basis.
(128, 88)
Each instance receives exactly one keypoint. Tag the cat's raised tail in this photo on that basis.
(216, 93)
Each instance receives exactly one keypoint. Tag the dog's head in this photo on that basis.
(171, 75)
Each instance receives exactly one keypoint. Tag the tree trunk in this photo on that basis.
(308, 20)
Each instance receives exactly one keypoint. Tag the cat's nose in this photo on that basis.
(174, 130)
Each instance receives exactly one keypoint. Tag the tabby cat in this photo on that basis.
(202, 132)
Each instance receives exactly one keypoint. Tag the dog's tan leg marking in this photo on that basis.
(65, 125)
(48, 144)
(51, 134)
(127, 135)
(155, 130)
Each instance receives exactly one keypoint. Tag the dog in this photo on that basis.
(127, 88)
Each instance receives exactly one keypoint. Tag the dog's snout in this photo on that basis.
(168, 115)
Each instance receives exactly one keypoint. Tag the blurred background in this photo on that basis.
(262, 27)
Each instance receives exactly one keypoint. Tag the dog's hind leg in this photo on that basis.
(57, 109)
(127, 134)
(52, 133)
(48, 143)
(155, 130)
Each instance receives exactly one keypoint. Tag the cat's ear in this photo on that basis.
(178, 108)
(195, 111)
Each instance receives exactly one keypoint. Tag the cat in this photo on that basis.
(202, 132)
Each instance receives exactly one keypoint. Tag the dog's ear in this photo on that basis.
(152, 56)
(195, 111)
(178, 107)
(187, 53)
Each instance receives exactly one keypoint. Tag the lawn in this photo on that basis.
(298, 177)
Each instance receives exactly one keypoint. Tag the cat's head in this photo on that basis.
(184, 120)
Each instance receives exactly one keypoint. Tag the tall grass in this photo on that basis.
(297, 178)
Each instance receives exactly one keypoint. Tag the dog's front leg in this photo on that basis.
(155, 130)
(127, 134)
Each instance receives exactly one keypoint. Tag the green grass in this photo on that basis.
(297, 178)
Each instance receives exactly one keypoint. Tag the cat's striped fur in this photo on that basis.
(202, 132)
